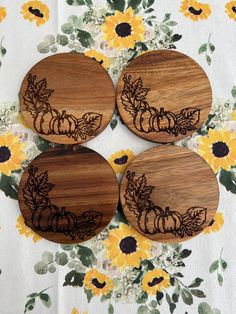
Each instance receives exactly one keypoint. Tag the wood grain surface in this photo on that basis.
(67, 98)
(68, 195)
(169, 194)
(164, 96)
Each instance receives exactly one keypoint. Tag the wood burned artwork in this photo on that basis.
(164, 96)
(67, 98)
(169, 194)
(63, 194)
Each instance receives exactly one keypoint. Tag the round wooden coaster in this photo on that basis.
(67, 98)
(164, 96)
(169, 194)
(68, 195)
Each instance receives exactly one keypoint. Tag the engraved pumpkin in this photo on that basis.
(168, 221)
(41, 217)
(163, 121)
(146, 220)
(63, 124)
(42, 121)
(143, 118)
(62, 221)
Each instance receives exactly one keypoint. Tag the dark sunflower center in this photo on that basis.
(220, 149)
(5, 154)
(194, 11)
(123, 29)
(155, 281)
(35, 12)
(211, 223)
(128, 245)
(234, 9)
(121, 161)
(101, 61)
(98, 284)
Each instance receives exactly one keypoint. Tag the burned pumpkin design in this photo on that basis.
(152, 219)
(47, 217)
(148, 119)
(48, 120)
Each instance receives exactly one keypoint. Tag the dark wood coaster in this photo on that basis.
(164, 96)
(68, 195)
(169, 194)
(67, 98)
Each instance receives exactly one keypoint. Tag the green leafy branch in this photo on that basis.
(217, 266)
(87, 3)
(204, 308)
(42, 296)
(207, 49)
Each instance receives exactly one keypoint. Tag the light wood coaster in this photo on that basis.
(169, 194)
(164, 96)
(67, 98)
(68, 195)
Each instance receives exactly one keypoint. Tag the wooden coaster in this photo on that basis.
(68, 195)
(169, 194)
(164, 96)
(67, 98)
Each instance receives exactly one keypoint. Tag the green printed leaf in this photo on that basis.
(61, 258)
(86, 256)
(186, 297)
(29, 306)
(142, 298)
(67, 28)
(208, 59)
(106, 297)
(88, 294)
(47, 257)
(167, 17)
(185, 253)
(110, 309)
(62, 40)
(223, 264)
(228, 179)
(176, 37)
(171, 23)
(214, 266)
(220, 279)
(196, 283)
(134, 4)
(165, 29)
(153, 304)
(113, 124)
(84, 38)
(74, 279)
(143, 310)
(212, 47)
(233, 91)
(178, 275)
(117, 4)
(46, 300)
(198, 293)
(41, 268)
(150, 3)
(202, 49)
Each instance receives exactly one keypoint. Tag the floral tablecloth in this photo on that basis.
(101, 275)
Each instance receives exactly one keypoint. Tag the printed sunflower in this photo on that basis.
(218, 149)
(155, 281)
(216, 224)
(120, 160)
(97, 282)
(3, 13)
(126, 247)
(75, 311)
(195, 10)
(26, 231)
(230, 9)
(123, 30)
(35, 11)
(99, 57)
(11, 153)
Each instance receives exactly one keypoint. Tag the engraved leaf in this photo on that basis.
(197, 215)
(88, 222)
(93, 122)
(192, 114)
